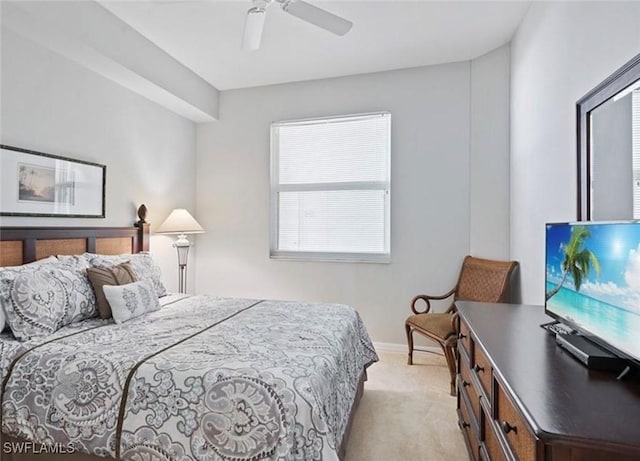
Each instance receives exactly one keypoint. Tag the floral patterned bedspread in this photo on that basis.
(203, 378)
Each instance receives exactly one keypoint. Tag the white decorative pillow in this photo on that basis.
(41, 299)
(143, 265)
(131, 300)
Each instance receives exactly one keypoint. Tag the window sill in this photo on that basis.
(331, 257)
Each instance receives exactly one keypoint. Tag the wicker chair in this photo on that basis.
(481, 280)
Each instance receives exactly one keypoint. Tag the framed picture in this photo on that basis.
(38, 184)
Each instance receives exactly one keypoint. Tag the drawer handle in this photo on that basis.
(478, 368)
(465, 425)
(506, 427)
(461, 336)
(465, 383)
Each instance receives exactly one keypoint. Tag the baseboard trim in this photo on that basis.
(402, 348)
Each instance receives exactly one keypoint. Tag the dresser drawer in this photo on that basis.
(469, 428)
(464, 338)
(469, 388)
(490, 441)
(513, 427)
(482, 369)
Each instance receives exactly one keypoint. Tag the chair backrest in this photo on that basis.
(484, 280)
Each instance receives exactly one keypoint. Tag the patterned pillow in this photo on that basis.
(78, 262)
(143, 265)
(131, 300)
(39, 262)
(40, 300)
(48, 260)
(111, 275)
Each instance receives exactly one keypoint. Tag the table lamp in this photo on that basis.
(182, 223)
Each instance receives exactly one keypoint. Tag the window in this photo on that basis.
(330, 188)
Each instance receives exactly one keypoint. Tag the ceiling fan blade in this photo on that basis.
(317, 16)
(253, 27)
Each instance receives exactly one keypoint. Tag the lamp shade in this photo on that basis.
(180, 221)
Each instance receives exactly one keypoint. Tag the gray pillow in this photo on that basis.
(131, 300)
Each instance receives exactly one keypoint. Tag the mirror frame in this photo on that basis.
(612, 85)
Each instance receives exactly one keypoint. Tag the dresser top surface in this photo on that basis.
(561, 398)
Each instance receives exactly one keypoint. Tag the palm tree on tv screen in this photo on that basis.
(578, 261)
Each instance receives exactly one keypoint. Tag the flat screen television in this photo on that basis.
(592, 282)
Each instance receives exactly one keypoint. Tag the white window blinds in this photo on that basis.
(330, 188)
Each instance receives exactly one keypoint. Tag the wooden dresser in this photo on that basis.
(520, 397)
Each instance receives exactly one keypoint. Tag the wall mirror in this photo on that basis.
(609, 147)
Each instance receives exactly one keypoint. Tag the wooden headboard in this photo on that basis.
(21, 245)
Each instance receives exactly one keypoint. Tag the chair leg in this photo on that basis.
(449, 354)
(410, 343)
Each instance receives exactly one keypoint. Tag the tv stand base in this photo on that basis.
(590, 354)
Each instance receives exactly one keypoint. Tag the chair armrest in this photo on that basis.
(427, 300)
(454, 323)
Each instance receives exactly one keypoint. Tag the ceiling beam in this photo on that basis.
(95, 38)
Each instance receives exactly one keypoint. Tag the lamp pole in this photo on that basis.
(182, 246)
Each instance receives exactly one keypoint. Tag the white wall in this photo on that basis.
(489, 179)
(560, 52)
(430, 233)
(53, 105)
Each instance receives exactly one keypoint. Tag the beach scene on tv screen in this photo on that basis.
(593, 280)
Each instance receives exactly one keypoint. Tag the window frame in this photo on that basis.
(276, 188)
(635, 152)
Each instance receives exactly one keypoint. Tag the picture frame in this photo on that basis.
(38, 184)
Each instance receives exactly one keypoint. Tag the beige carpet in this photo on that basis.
(406, 413)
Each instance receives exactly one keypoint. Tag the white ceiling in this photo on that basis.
(205, 36)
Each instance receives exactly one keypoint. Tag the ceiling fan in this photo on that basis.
(307, 12)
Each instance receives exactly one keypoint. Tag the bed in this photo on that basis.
(198, 378)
